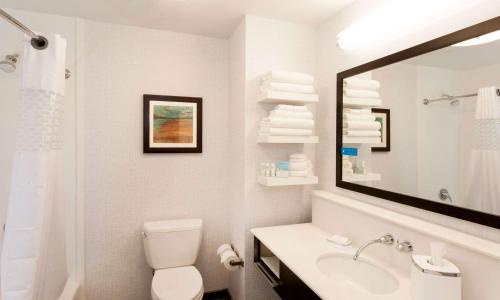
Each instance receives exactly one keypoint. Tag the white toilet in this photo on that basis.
(171, 249)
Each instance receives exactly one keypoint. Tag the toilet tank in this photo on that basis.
(172, 243)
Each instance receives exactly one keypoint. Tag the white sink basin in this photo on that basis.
(360, 273)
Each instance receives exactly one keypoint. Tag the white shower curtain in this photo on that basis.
(483, 176)
(33, 187)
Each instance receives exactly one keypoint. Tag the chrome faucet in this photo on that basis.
(386, 239)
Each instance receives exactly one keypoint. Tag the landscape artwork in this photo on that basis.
(172, 124)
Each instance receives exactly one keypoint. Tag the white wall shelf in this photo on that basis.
(278, 181)
(287, 98)
(362, 177)
(272, 139)
(361, 140)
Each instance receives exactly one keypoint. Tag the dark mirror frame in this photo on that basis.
(442, 42)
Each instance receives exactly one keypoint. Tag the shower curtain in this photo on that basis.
(33, 185)
(483, 183)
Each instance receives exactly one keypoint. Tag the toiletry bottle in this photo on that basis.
(273, 170)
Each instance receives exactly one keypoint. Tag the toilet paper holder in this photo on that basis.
(237, 263)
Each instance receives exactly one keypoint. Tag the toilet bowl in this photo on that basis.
(177, 283)
(171, 249)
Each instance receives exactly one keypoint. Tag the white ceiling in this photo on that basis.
(460, 58)
(215, 18)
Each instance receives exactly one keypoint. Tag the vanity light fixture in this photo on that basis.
(396, 18)
(483, 39)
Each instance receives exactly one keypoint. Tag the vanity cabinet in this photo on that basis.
(284, 282)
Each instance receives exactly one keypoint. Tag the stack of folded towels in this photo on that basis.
(291, 82)
(360, 123)
(288, 120)
(347, 166)
(361, 92)
(299, 166)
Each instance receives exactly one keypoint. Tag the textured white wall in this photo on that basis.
(332, 60)
(271, 45)
(124, 187)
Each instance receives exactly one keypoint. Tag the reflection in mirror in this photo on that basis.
(428, 126)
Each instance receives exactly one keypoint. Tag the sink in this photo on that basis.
(360, 273)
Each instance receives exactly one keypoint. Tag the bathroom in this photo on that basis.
(114, 190)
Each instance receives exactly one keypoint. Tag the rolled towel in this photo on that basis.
(361, 133)
(300, 173)
(285, 131)
(359, 117)
(289, 123)
(291, 114)
(288, 77)
(362, 101)
(361, 93)
(347, 165)
(286, 87)
(347, 172)
(361, 84)
(361, 125)
(300, 166)
(296, 108)
(357, 111)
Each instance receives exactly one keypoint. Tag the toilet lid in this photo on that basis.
(182, 283)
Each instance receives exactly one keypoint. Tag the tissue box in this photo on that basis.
(433, 282)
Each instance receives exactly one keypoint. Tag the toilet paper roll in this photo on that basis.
(222, 248)
(228, 257)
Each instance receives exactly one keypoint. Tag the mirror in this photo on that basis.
(422, 126)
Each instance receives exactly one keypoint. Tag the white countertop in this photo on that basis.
(298, 246)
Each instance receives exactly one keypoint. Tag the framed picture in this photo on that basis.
(172, 124)
(383, 116)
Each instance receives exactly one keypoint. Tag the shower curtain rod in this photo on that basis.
(37, 41)
(450, 97)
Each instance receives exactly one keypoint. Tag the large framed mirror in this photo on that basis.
(422, 126)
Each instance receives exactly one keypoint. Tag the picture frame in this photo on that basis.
(383, 115)
(172, 124)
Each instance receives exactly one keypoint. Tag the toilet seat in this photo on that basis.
(182, 283)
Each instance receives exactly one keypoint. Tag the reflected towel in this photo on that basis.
(361, 133)
(286, 87)
(487, 104)
(291, 114)
(362, 101)
(359, 117)
(361, 84)
(285, 131)
(361, 93)
(355, 111)
(362, 125)
(288, 77)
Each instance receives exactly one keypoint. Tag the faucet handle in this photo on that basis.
(404, 246)
(387, 239)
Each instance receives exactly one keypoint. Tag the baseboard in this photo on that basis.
(217, 295)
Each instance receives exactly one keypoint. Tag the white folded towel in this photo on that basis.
(291, 114)
(285, 131)
(286, 87)
(361, 84)
(361, 93)
(300, 166)
(288, 123)
(357, 111)
(286, 107)
(359, 117)
(362, 125)
(362, 101)
(361, 133)
(288, 77)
